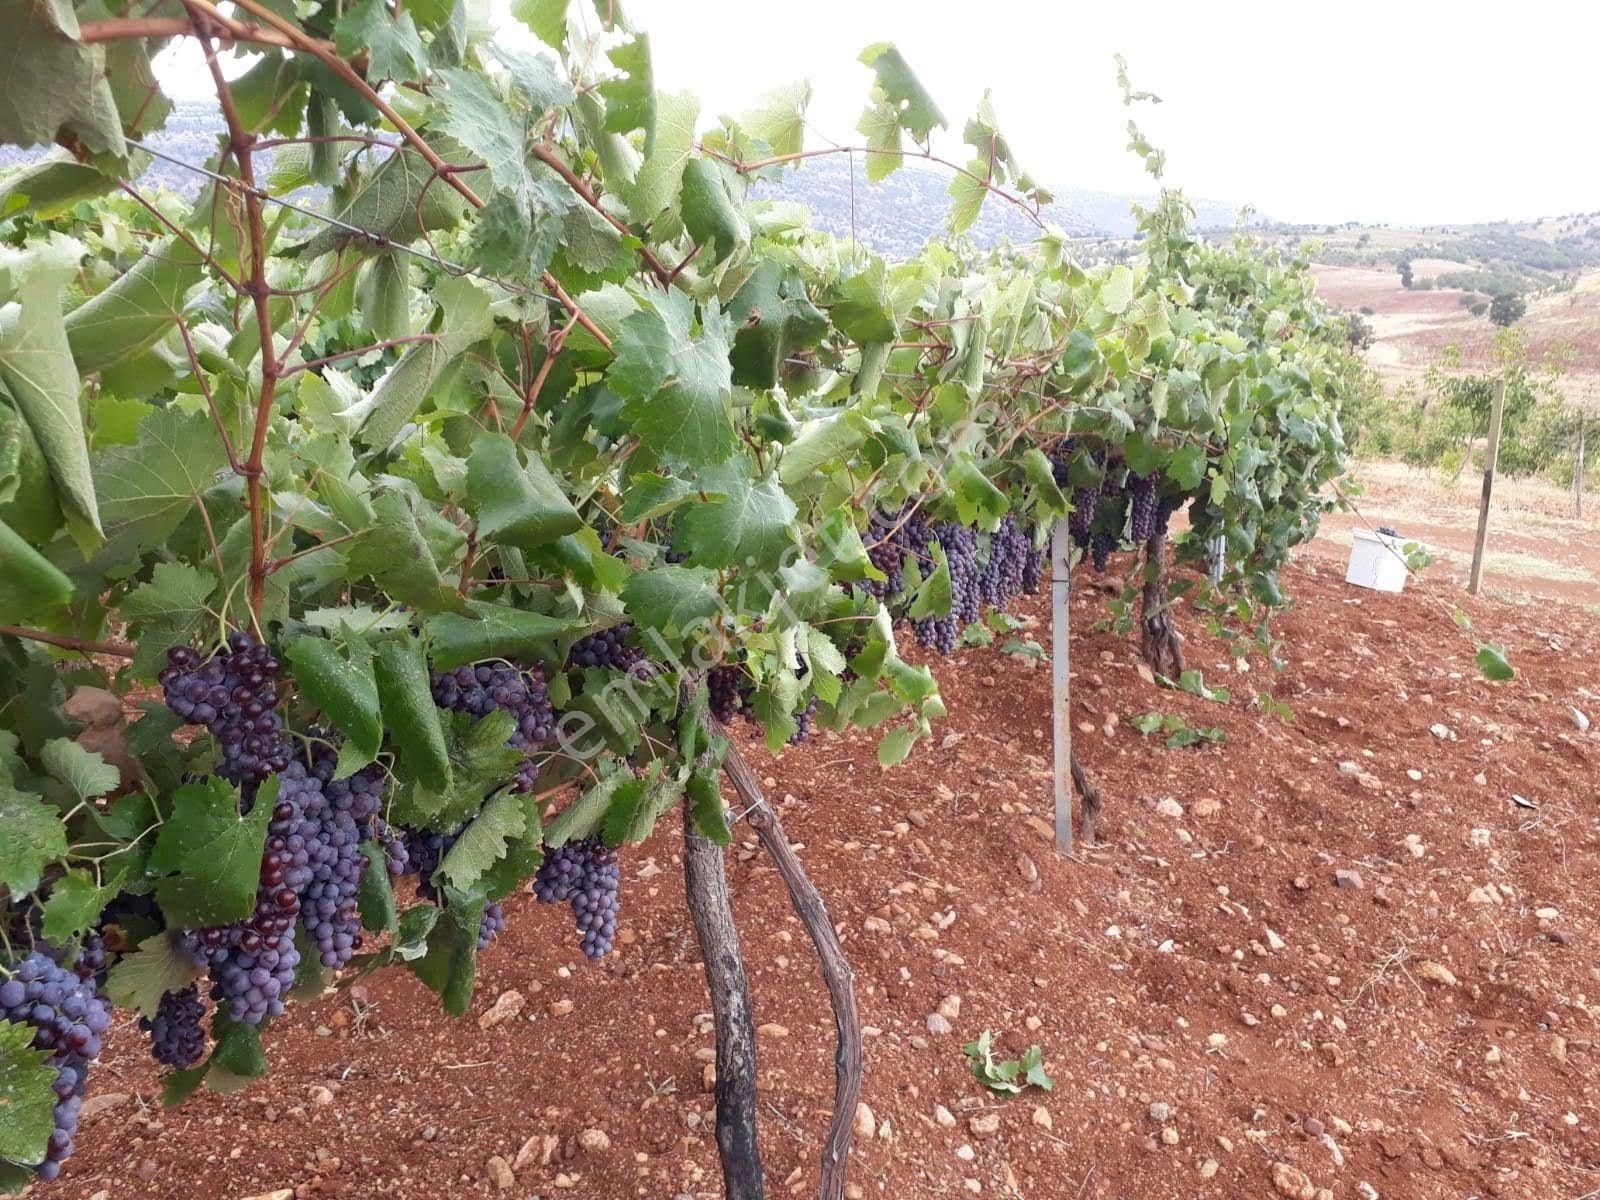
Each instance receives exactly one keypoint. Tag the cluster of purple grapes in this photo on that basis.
(609, 648)
(420, 852)
(1004, 575)
(232, 694)
(334, 815)
(252, 962)
(177, 1031)
(1143, 503)
(585, 874)
(729, 689)
(68, 1018)
(891, 538)
(960, 545)
(490, 686)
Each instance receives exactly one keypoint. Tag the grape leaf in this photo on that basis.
(398, 558)
(450, 965)
(74, 904)
(375, 897)
(631, 101)
(237, 1053)
(409, 712)
(140, 979)
(397, 203)
(672, 600)
(752, 525)
(210, 854)
(55, 83)
(148, 488)
(1494, 665)
(480, 762)
(484, 840)
(27, 1095)
(52, 186)
(475, 115)
(583, 816)
(168, 610)
(903, 91)
(342, 686)
(131, 314)
(661, 174)
(86, 774)
(546, 18)
(706, 807)
(515, 502)
(676, 385)
(36, 367)
(30, 584)
(490, 631)
(392, 44)
(34, 838)
(713, 210)
(780, 118)
(635, 807)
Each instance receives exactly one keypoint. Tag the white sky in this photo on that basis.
(1402, 111)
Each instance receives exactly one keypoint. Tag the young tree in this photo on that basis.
(1507, 308)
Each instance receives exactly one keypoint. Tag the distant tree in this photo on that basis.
(1507, 308)
(1363, 239)
(1367, 310)
(1360, 331)
(1425, 284)
(1405, 272)
(1478, 308)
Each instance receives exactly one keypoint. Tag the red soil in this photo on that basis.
(1145, 970)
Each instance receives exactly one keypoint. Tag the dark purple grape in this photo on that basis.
(232, 695)
(177, 1031)
(586, 875)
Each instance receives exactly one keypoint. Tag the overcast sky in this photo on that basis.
(1404, 111)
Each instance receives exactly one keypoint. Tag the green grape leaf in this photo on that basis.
(899, 85)
(449, 967)
(706, 808)
(343, 687)
(210, 854)
(636, 806)
(536, 78)
(676, 384)
(473, 113)
(518, 503)
(55, 83)
(36, 367)
(396, 555)
(150, 487)
(661, 174)
(713, 210)
(74, 905)
(130, 315)
(1188, 467)
(86, 774)
(752, 525)
(480, 762)
(895, 745)
(156, 967)
(484, 841)
(409, 713)
(392, 44)
(34, 838)
(779, 120)
(631, 101)
(238, 1051)
(52, 186)
(1494, 665)
(375, 896)
(1117, 291)
(30, 584)
(546, 18)
(27, 1095)
(491, 631)
(672, 600)
(396, 203)
(170, 609)
(583, 816)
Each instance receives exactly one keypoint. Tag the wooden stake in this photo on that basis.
(1060, 594)
(1491, 458)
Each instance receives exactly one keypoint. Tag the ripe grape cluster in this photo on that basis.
(609, 648)
(177, 1031)
(1143, 504)
(334, 815)
(252, 962)
(68, 1018)
(729, 688)
(960, 545)
(421, 852)
(585, 874)
(1003, 577)
(232, 694)
(489, 686)
(891, 538)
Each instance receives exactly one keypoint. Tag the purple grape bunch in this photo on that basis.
(232, 694)
(68, 1017)
(729, 691)
(424, 850)
(177, 1031)
(334, 816)
(586, 875)
(942, 633)
(1002, 580)
(252, 962)
(488, 687)
(610, 649)
(1144, 504)
(891, 538)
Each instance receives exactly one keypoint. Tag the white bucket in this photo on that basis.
(1376, 561)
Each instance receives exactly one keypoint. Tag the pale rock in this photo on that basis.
(944, 1116)
(773, 1030)
(1436, 973)
(1480, 895)
(1443, 732)
(939, 1024)
(1414, 775)
(561, 1008)
(1168, 807)
(1027, 868)
(1205, 808)
(1291, 1182)
(1169, 1136)
(1346, 877)
(866, 1124)
(275, 1194)
(99, 1102)
(1274, 942)
(321, 1096)
(1479, 838)
(965, 1152)
(1042, 1118)
(1493, 1056)
(1579, 718)
(1208, 1168)
(595, 1141)
(1549, 913)
(950, 1007)
(984, 1124)
(499, 1172)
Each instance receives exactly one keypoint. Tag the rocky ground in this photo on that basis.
(1348, 955)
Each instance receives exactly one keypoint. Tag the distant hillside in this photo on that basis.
(895, 217)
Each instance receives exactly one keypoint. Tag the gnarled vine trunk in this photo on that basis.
(1089, 816)
(1159, 641)
(706, 886)
(836, 972)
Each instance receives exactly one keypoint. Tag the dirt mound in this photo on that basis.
(1351, 952)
